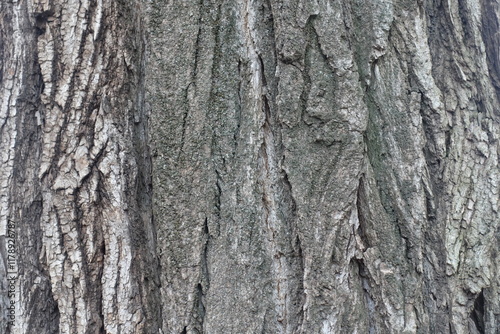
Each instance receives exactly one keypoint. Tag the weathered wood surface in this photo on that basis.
(257, 166)
(77, 170)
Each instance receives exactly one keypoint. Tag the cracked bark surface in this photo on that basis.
(257, 166)
(76, 181)
(326, 166)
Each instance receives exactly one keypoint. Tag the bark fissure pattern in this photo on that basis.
(310, 166)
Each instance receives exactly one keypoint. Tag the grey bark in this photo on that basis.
(257, 166)
(326, 166)
(76, 171)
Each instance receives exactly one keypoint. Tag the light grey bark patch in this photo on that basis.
(81, 169)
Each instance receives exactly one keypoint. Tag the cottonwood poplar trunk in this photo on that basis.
(251, 166)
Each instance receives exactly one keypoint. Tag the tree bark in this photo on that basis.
(326, 166)
(76, 174)
(257, 166)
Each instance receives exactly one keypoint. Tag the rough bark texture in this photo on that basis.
(76, 172)
(326, 166)
(316, 166)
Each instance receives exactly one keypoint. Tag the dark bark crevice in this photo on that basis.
(477, 314)
(370, 305)
(490, 33)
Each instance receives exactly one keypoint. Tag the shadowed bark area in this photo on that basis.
(255, 166)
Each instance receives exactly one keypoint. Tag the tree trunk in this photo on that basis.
(76, 173)
(257, 166)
